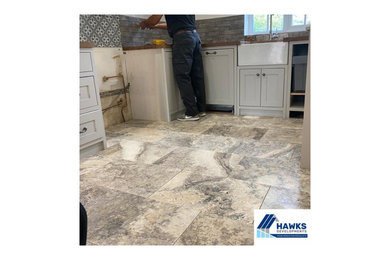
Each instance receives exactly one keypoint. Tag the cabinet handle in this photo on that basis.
(257, 74)
(263, 74)
(84, 130)
(207, 53)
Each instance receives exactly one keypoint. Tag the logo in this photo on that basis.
(271, 227)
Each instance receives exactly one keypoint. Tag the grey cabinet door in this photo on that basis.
(250, 87)
(272, 86)
(219, 78)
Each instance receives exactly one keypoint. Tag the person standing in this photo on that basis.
(186, 60)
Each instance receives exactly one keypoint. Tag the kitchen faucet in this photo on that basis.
(272, 35)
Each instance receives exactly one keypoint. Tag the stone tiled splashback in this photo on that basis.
(224, 29)
(102, 30)
(132, 35)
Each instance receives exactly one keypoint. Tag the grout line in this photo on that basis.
(265, 197)
(186, 228)
(165, 184)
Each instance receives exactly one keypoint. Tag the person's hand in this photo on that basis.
(150, 22)
(145, 24)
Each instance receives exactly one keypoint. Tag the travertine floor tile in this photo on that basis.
(130, 177)
(235, 198)
(192, 183)
(290, 135)
(211, 228)
(119, 218)
(279, 198)
(236, 131)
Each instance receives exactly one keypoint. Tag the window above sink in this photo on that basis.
(260, 23)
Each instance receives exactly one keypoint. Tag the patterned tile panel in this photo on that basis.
(102, 30)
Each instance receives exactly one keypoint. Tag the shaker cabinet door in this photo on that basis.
(250, 87)
(272, 87)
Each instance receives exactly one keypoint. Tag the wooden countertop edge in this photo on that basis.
(130, 48)
(145, 47)
(287, 39)
(265, 41)
(87, 45)
(217, 44)
(291, 39)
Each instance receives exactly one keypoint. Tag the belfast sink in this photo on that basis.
(269, 53)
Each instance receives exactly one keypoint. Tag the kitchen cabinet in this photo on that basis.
(92, 134)
(261, 91)
(219, 69)
(262, 79)
(145, 70)
(296, 80)
(154, 93)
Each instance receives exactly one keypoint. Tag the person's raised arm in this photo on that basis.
(161, 26)
(151, 22)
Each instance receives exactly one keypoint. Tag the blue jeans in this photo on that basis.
(188, 71)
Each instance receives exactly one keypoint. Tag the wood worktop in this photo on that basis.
(87, 45)
(145, 47)
(204, 45)
(216, 44)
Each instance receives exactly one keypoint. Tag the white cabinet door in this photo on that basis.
(272, 86)
(219, 79)
(250, 87)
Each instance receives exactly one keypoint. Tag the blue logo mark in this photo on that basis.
(265, 224)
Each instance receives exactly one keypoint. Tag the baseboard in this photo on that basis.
(223, 108)
(259, 112)
(92, 150)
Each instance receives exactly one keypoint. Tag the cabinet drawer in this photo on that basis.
(88, 93)
(91, 127)
(86, 62)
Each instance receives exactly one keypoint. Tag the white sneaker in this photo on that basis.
(188, 118)
(202, 114)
